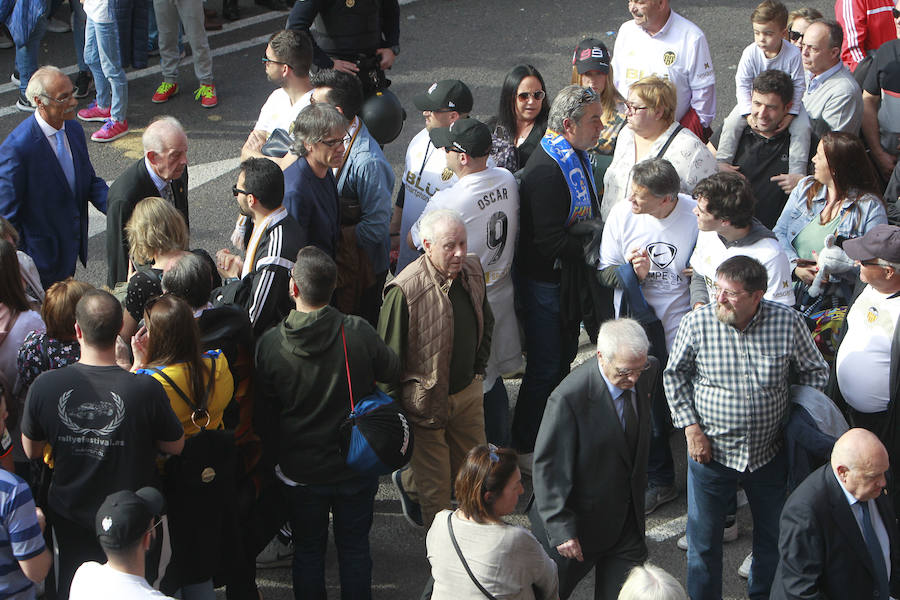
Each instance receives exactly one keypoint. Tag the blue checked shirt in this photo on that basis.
(735, 385)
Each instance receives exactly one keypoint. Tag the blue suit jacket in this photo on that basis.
(37, 200)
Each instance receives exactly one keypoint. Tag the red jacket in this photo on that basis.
(867, 24)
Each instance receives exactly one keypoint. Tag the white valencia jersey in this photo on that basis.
(669, 243)
(678, 52)
(710, 252)
(425, 173)
(489, 204)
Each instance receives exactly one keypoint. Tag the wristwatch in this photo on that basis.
(395, 50)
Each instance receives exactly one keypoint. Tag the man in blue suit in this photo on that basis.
(46, 179)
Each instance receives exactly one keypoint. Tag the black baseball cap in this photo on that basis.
(449, 94)
(591, 55)
(469, 135)
(125, 516)
(882, 241)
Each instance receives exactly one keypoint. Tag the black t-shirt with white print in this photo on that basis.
(103, 424)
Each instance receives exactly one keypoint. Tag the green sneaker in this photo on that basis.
(207, 96)
(165, 91)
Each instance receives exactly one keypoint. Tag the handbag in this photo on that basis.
(376, 438)
(203, 477)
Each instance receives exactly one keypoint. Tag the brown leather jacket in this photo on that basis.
(425, 372)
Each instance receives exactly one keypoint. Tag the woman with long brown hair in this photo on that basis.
(841, 197)
(521, 117)
(17, 319)
(199, 387)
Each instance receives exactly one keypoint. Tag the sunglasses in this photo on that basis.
(266, 59)
(235, 190)
(538, 95)
(796, 35)
(335, 142)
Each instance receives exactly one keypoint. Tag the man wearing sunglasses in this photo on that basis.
(259, 281)
(867, 24)
(728, 385)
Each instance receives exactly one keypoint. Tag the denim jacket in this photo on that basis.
(868, 212)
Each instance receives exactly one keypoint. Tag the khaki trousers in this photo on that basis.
(438, 453)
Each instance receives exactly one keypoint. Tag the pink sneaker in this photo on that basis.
(93, 113)
(111, 130)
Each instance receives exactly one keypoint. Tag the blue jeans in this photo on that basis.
(551, 349)
(496, 414)
(78, 22)
(27, 55)
(710, 492)
(351, 504)
(101, 51)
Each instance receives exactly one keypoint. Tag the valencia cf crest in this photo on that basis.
(669, 58)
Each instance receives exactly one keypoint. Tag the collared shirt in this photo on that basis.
(814, 81)
(50, 132)
(618, 396)
(734, 384)
(158, 181)
(877, 524)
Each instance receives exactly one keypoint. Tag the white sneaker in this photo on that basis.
(730, 534)
(275, 554)
(744, 569)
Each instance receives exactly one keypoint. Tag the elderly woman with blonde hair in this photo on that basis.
(652, 132)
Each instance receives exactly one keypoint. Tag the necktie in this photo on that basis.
(65, 160)
(881, 576)
(631, 421)
(167, 192)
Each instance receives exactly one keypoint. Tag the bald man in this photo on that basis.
(838, 535)
(162, 172)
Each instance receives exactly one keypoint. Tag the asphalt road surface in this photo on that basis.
(472, 40)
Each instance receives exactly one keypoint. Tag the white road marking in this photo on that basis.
(668, 530)
(199, 175)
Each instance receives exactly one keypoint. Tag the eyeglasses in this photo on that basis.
(235, 190)
(266, 59)
(629, 372)
(730, 294)
(796, 35)
(631, 107)
(64, 100)
(335, 142)
(874, 262)
(538, 95)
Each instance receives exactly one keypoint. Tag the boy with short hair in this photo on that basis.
(769, 50)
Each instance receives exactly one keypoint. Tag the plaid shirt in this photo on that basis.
(735, 384)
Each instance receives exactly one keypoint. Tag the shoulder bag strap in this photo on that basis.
(174, 387)
(668, 143)
(195, 408)
(463, 559)
(347, 364)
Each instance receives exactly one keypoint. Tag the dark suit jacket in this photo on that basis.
(822, 551)
(36, 198)
(132, 186)
(585, 481)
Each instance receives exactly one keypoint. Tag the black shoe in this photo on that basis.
(412, 510)
(83, 83)
(23, 104)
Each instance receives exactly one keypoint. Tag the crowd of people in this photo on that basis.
(742, 286)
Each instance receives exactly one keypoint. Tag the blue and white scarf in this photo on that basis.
(567, 158)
